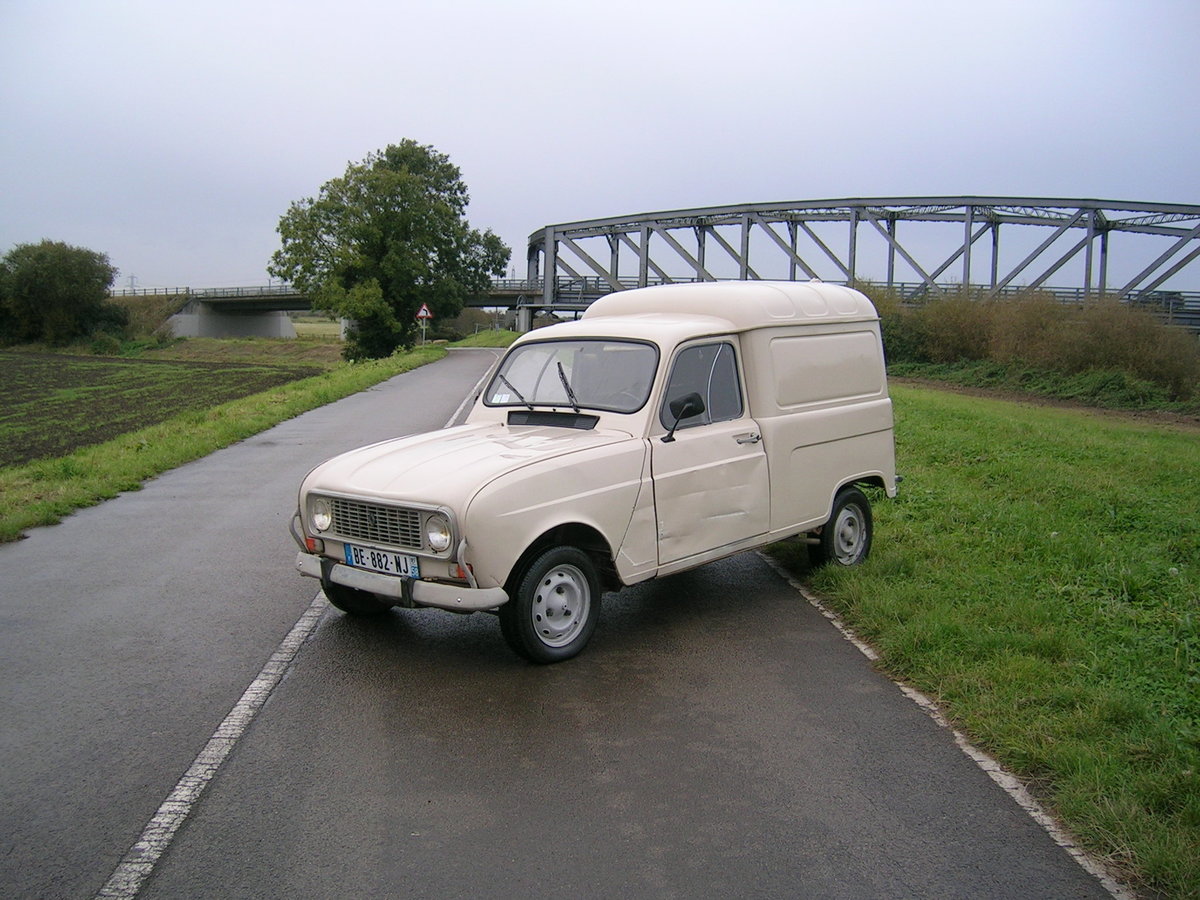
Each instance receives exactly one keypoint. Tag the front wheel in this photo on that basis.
(553, 612)
(353, 601)
(845, 540)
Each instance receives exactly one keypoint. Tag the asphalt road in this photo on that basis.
(717, 739)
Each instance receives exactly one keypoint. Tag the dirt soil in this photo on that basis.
(53, 403)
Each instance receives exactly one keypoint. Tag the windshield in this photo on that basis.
(576, 374)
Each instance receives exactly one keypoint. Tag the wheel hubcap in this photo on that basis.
(560, 606)
(848, 535)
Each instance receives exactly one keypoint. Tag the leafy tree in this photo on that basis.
(54, 292)
(386, 237)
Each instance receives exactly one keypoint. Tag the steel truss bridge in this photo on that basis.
(1077, 249)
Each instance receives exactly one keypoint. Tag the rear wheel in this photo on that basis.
(553, 611)
(353, 601)
(845, 540)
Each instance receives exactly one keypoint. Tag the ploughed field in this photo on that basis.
(53, 403)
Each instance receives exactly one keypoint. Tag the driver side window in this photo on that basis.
(709, 370)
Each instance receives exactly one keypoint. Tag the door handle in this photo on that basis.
(750, 437)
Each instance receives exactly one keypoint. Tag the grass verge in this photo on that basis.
(1038, 576)
(489, 338)
(43, 492)
(1101, 388)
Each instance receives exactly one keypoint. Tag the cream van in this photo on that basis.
(668, 427)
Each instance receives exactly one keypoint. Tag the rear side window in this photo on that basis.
(709, 370)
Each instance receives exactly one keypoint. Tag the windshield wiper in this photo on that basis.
(513, 388)
(562, 376)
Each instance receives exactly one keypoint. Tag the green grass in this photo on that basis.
(42, 492)
(1039, 576)
(1102, 388)
(319, 328)
(488, 339)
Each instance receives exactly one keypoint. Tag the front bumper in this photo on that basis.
(458, 598)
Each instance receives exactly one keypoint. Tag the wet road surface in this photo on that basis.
(718, 738)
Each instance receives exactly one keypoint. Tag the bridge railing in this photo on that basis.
(574, 293)
(151, 292)
(268, 290)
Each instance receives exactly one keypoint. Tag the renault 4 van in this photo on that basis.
(668, 427)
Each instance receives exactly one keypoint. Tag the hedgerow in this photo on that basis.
(1034, 336)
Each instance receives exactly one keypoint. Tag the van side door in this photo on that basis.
(711, 487)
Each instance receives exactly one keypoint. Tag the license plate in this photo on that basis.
(382, 561)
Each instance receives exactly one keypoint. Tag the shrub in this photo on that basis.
(56, 293)
(1127, 354)
(104, 344)
(1029, 329)
(904, 337)
(956, 328)
(903, 333)
(1110, 335)
(1107, 337)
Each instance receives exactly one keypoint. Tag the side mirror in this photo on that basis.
(683, 408)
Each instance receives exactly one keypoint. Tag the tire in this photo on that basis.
(554, 610)
(354, 602)
(845, 540)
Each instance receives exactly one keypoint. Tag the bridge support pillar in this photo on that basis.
(216, 323)
(524, 319)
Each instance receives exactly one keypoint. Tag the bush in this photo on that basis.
(1121, 353)
(904, 336)
(56, 293)
(8, 322)
(1029, 329)
(956, 328)
(1112, 335)
(104, 344)
(108, 318)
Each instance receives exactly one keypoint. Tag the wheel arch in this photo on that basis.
(876, 481)
(873, 480)
(571, 534)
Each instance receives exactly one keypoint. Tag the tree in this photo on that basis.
(54, 292)
(385, 238)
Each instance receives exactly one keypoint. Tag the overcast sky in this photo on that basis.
(172, 136)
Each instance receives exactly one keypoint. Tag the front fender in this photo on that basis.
(597, 487)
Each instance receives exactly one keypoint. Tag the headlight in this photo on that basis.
(437, 532)
(322, 517)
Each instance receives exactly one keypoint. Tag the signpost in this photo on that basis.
(423, 316)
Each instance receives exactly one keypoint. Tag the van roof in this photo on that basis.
(664, 329)
(743, 304)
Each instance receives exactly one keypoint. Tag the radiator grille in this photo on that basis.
(377, 524)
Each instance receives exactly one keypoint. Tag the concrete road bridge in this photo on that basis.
(1079, 250)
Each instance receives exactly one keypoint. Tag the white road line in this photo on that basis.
(474, 392)
(137, 865)
(1005, 779)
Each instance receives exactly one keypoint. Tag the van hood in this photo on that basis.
(446, 468)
